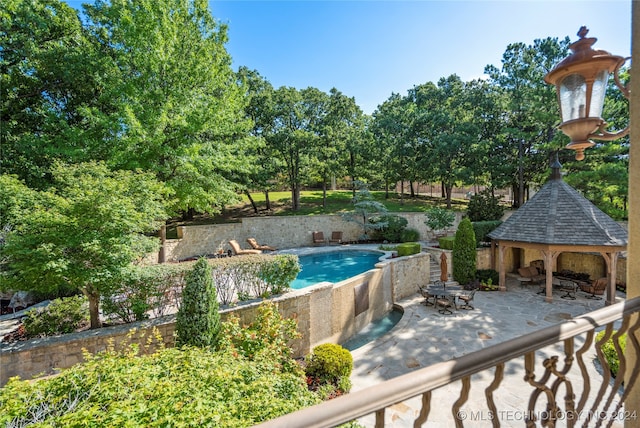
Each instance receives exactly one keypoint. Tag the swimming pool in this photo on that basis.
(333, 266)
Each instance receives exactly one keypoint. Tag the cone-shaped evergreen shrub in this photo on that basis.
(464, 253)
(198, 320)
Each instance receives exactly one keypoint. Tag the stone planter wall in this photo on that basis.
(325, 313)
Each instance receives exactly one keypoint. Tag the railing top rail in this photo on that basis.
(366, 401)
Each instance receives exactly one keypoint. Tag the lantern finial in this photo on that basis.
(583, 31)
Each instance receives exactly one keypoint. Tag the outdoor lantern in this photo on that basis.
(581, 83)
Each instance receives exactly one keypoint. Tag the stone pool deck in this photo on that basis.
(424, 337)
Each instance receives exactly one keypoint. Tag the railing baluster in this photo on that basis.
(633, 377)
(586, 384)
(424, 410)
(606, 373)
(488, 393)
(380, 418)
(464, 396)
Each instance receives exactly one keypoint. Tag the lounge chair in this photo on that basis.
(239, 251)
(530, 275)
(254, 244)
(597, 288)
(318, 238)
(336, 238)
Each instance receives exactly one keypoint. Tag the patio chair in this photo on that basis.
(467, 298)
(254, 244)
(445, 305)
(336, 238)
(239, 251)
(595, 289)
(318, 238)
(424, 291)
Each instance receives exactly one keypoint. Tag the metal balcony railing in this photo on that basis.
(581, 403)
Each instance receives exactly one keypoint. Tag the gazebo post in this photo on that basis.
(549, 260)
(502, 279)
(612, 261)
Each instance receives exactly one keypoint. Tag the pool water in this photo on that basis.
(374, 330)
(334, 266)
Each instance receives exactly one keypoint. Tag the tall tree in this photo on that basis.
(84, 234)
(47, 111)
(259, 108)
(180, 103)
(532, 111)
(294, 132)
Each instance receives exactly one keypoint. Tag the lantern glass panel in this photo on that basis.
(598, 93)
(573, 97)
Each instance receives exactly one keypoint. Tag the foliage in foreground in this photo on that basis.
(609, 351)
(173, 387)
(249, 379)
(198, 319)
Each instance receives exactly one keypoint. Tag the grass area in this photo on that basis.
(338, 201)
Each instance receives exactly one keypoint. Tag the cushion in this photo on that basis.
(524, 272)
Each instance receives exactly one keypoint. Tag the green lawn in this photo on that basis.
(339, 201)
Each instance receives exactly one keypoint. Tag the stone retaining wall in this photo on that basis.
(279, 232)
(325, 313)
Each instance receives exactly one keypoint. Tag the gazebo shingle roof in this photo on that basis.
(559, 215)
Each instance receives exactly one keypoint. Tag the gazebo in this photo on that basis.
(558, 219)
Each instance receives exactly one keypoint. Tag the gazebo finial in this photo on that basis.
(555, 168)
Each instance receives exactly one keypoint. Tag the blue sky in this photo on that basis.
(370, 49)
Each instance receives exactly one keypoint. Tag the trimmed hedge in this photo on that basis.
(408, 248)
(446, 242)
(483, 228)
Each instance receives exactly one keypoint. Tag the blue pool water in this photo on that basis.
(334, 266)
(374, 330)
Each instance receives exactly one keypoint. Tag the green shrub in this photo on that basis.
(408, 248)
(255, 275)
(331, 364)
(177, 387)
(446, 242)
(609, 351)
(486, 275)
(394, 226)
(439, 219)
(484, 207)
(267, 336)
(61, 316)
(464, 253)
(483, 228)
(409, 235)
(143, 289)
(198, 319)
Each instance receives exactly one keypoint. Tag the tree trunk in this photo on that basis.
(448, 189)
(413, 194)
(324, 194)
(267, 200)
(162, 233)
(188, 214)
(253, 203)
(94, 309)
